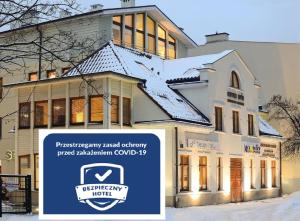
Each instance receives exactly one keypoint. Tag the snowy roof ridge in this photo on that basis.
(266, 129)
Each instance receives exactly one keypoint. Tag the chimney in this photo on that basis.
(96, 7)
(217, 37)
(127, 3)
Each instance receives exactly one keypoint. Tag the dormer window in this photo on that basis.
(235, 82)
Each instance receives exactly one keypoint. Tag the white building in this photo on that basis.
(218, 149)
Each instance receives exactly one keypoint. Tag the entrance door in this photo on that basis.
(236, 180)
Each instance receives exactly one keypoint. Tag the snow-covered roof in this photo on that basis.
(267, 129)
(149, 68)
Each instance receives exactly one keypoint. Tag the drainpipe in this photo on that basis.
(40, 50)
(176, 168)
(280, 168)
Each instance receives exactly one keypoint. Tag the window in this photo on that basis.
(114, 109)
(185, 173)
(117, 29)
(36, 171)
(33, 76)
(151, 35)
(250, 125)
(65, 70)
(126, 111)
(218, 119)
(203, 173)
(1, 88)
(220, 174)
(128, 35)
(51, 74)
(273, 173)
(161, 42)
(24, 168)
(140, 32)
(41, 114)
(252, 185)
(235, 82)
(24, 115)
(172, 47)
(96, 109)
(59, 112)
(77, 110)
(263, 173)
(236, 122)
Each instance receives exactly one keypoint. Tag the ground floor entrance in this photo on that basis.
(236, 179)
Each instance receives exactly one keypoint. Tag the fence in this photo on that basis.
(15, 194)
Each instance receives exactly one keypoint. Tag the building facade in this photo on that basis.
(218, 148)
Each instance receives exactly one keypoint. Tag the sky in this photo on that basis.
(250, 20)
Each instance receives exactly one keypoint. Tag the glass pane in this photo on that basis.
(162, 48)
(171, 40)
(172, 51)
(96, 109)
(77, 109)
(33, 76)
(126, 111)
(51, 74)
(151, 45)
(36, 171)
(161, 33)
(128, 38)
(24, 115)
(150, 26)
(140, 42)
(59, 112)
(140, 23)
(117, 19)
(117, 34)
(41, 114)
(114, 109)
(129, 21)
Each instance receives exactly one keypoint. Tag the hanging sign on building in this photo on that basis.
(202, 144)
(100, 174)
(269, 150)
(252, 148)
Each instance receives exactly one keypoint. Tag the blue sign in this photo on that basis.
(102, 174)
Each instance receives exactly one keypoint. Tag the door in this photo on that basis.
(236, 180)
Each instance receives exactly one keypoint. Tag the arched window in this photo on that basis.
(235, 82)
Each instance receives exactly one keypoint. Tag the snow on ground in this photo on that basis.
(286, 208)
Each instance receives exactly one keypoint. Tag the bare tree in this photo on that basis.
(21, 48)
(286, 110)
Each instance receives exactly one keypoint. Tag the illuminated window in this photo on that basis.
(126, 111)
(24, 168)
(114, 109)
(128, 35)
(96, 109)
(172, 47)
(252, 185)
(273, 173)
(33, 76)
(117, 29)
(65, 70)
(185, 173)
(263, 173)
(220, 174)
(235, 82)
(41, 114)
(24, 115)
(250, 125)
(77, 110)
(235, 122)
(140, 32)
(59, 112)
(36, 171)
(151, 35)
(218, 119)
(203, 173)
(161, 42)
(51, 74)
